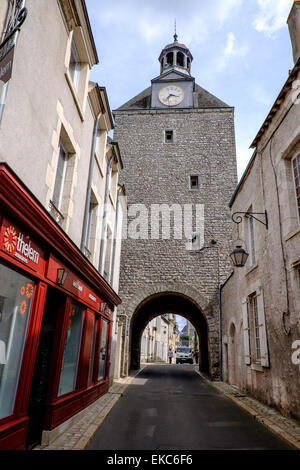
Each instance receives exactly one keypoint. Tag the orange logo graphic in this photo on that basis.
(29, 290)
(23, 307)
(10, 239)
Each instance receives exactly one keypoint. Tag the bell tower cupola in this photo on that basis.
(175, 56)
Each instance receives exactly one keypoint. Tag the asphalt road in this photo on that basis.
(170, 407)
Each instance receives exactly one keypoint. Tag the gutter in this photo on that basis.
(220, 287)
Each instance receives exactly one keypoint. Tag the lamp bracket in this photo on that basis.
(237, 217)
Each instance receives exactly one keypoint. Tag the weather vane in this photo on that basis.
(175, 35)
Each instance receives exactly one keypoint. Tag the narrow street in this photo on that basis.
(171, 407)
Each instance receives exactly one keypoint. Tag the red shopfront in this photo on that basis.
(55, 321)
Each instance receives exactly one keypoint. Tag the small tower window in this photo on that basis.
(170, 58)
(169, 135)
(194, 182)
(180, 59)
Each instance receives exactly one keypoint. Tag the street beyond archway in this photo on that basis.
(171, 407)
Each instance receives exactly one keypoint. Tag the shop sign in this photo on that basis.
(18, 244)
(73, 284)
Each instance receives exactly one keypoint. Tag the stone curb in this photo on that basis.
(281, 431)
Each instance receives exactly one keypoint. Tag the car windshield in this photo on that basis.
(184, 350)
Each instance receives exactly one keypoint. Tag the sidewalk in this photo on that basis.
(77, 436)
(82, 430)
(286, 428)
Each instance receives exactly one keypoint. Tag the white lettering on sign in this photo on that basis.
(2, 352)
(77, 286)
(26, 250)
(92, 298)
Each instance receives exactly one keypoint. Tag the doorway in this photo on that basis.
(54, 305)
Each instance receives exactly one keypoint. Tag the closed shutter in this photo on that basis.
(262, 329)
(246, 331)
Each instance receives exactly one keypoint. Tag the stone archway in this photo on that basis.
(169, 302)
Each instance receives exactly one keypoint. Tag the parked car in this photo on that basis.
(184, 354)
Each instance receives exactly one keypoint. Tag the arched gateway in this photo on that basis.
(178, 148)
(167, 302)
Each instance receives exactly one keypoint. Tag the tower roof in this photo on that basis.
(204, 100)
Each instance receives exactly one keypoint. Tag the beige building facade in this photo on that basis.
(261, 301)
(61, 213)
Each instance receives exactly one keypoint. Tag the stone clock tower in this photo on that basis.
(178, 146)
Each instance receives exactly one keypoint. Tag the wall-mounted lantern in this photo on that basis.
(61, 276)
(239, 256)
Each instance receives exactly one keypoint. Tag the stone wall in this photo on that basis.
(156, 172)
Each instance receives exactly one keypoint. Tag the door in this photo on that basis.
(54, 304)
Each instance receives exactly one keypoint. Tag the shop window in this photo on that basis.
(296, 173)
(71, 350)
(93, 349)
(103, 350)
(16, 294)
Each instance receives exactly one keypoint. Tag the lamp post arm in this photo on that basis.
(237, 217)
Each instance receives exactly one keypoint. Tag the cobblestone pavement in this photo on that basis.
(77, 436)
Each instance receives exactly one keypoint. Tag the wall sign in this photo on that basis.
(17, 243)
(74, 285)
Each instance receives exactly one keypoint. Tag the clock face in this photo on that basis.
(171, 95)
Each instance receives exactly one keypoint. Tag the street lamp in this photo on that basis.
(239, 256)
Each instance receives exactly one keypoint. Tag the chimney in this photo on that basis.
(294, 29)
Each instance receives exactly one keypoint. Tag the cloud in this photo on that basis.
(272, 15)
(231, 51)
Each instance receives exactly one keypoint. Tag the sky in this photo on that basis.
(241, 48)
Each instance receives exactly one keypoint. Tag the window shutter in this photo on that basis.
(262, 329)
(246, 331)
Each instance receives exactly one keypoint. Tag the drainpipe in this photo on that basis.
(115, 239)
(125, 342)
(89, 187)
(107, 185)
(220, 287)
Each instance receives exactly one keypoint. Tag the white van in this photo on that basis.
(184, 354)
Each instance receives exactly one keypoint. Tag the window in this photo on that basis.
(194, 243)
(108, 253)
(254, 329)
(103, 350)
(16, 294)
(253, 314)
(74, 66)
(71, 351)
(296, 173)
(194, 182)
(169, 136)
(60, 175)
(251, 240)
